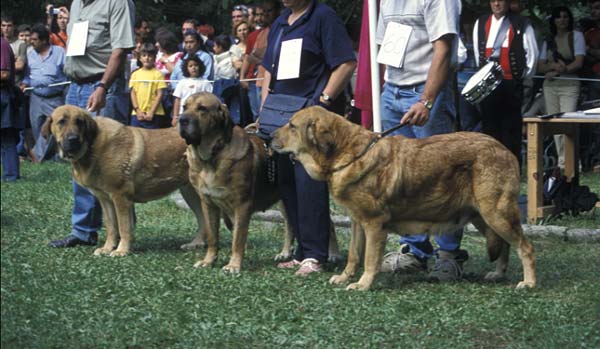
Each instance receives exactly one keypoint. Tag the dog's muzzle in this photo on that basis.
(187, 130)
(71, 145)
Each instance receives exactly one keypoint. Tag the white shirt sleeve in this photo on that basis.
(178, 90)
(544, 52)
(476, 42)
(579, 43)
(531, 51)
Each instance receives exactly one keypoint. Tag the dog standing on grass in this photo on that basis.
(411, 186)
(228, 169)
(122, 165)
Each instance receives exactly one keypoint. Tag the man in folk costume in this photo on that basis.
(509, 39)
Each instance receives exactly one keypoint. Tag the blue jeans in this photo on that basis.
(254, 96)
(10, 160)
(395, 102)
(87, 213)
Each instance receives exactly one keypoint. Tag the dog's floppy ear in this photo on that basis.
(226, 120)
(90, 128)
(320, 137)
(46, 130)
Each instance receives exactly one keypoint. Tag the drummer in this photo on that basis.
(417, 91)
(501, 115)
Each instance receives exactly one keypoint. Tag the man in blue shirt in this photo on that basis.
(44, 67)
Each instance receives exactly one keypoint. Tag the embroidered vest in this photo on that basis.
(512, 58)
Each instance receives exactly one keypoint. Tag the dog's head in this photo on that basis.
(312, 137)
(74, 130)
(204, 116)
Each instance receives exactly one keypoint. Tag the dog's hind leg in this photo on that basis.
(193, 200)
(110, 222)
(356, 252)
(503, 218)
(124, 210)
(498, 250)
(288, 244)
(334, 250)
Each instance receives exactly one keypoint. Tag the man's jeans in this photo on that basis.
(395, 102)
(254, 96)
(87, 213)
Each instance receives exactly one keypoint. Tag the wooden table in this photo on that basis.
(537, 130)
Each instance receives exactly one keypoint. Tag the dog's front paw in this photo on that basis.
(283, 256)
(232, 269)
(119, 253)
(357, 286)
(205, 263)
(338, 279)
(494, 276)
(102, 251)
(524, 284)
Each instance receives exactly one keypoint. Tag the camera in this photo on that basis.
(53, 11)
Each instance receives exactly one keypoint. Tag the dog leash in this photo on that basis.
(371, 144)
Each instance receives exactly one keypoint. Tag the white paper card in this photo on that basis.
(78, 39)
(289, 59)
(394, 44)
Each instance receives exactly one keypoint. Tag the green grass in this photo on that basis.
(155, 299)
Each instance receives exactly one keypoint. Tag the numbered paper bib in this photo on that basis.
(78, 39)
(394, 44)
(289, 59)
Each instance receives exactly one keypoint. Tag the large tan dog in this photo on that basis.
(411, 186)
(122, 165)
(228, 170)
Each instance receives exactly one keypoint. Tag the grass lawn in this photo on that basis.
(155, 299)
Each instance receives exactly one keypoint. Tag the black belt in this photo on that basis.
(88, 80)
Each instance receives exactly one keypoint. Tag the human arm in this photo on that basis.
(134, 105)
(4, 75)
(339, 78)
(176, 106)
(244, 71)
(418, 114)
(155, 104)
(531, 51)
(97, 99)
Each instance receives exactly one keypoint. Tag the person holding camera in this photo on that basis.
(58, 18)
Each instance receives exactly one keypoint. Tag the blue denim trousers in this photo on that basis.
(395, 102)
(254, 96)
(87, 213)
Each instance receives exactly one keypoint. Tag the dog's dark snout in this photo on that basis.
(184, 120)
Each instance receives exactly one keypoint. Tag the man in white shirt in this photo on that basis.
(501, 110)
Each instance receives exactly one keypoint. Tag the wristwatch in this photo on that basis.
(326, 97)
(102, 86)
(428, 104)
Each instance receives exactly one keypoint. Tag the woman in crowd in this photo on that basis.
(327, 59)
(168, 55)
(58, 26)
(241, 30)
(561, 55)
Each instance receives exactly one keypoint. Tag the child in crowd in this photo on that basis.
(193, 69)
(24, 33)
(223, 58)
(147, 85)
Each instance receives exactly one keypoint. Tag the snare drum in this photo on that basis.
(483, 82)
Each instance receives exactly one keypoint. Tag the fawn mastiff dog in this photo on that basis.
(228, 171)
(122, 165)
(411, 186)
